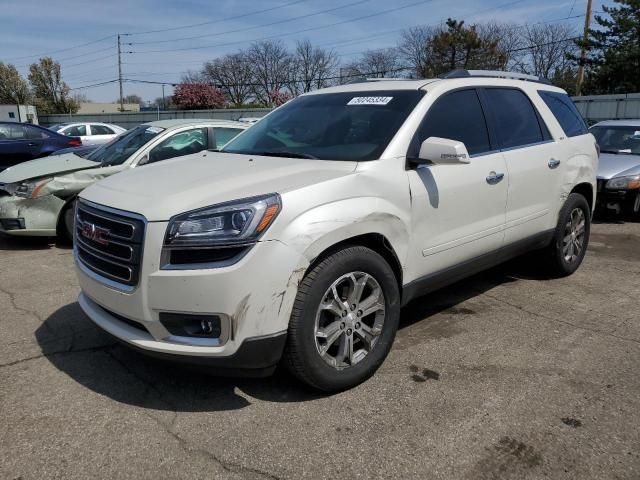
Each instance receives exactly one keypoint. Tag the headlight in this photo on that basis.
(624, 183)
(29, 189)
(240, 222)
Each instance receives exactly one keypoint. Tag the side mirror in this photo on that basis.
(442, 151)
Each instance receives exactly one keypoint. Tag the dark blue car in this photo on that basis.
(20, 142)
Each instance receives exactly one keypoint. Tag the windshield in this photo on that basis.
(55, 128)
(618, 139)
(332, 126)
(121, 148)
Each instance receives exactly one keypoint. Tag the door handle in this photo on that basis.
(553, 163)
(31, 144)
(494, 178)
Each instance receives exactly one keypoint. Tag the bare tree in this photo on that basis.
(415, 49)
(311, 68)
(509, 42)
(192, 76)
(376, 64)
(233, 74)
(549, 49)
(270, 62)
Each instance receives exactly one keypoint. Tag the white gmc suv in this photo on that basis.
(302, 238)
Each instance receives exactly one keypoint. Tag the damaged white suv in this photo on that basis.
(311, 229)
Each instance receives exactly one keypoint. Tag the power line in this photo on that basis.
(62, 49)
(92, 60)
(217, 21)
(363, 17)
(94, 85)
(254, 27)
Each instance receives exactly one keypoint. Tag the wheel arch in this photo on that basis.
(586, 190)
(373, 240)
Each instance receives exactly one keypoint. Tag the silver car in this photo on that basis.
(619, 169)
(37, 197)
(91, 133)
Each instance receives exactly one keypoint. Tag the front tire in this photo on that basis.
(344, 320)
(571, 237)
(66, 223)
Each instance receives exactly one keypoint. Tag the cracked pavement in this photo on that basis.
(504, 375)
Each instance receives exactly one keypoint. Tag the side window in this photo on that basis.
(34, 133)
(75, 131)
(516, 120)
(457, 116)
(12, 132)
(224, 135)
(183, 143)
(101, 130)
(565, 112)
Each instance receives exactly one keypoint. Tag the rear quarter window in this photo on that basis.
(565, 112)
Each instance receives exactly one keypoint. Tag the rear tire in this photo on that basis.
(343, 321)
(571, 237)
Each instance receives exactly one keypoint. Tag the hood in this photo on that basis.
(182, 184)
(611, 165)
(45, 167)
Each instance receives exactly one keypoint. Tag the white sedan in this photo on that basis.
(91, 133)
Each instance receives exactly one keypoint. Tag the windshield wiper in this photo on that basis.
(284, 153)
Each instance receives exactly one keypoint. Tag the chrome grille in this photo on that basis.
(109, 243)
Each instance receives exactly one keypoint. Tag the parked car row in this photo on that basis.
(298, 240)
(37, 197)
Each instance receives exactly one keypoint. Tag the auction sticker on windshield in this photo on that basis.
(154, 130)
(369, 100)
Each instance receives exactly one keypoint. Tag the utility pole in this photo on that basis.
(120, 73)
(583, 50)
(164, 107)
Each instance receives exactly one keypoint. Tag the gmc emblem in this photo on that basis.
(94, 233)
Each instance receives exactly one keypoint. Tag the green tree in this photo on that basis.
(613, 60)
(52, 94)
(460, 46)
(13, 88)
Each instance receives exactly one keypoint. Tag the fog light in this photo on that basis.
(187, 325)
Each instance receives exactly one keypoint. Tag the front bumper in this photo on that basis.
(254, 297)
(30, 217)
(618, 200)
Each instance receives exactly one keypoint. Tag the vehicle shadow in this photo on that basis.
(8, 243)
(76, 347)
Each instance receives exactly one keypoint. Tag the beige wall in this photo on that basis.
(91, 107)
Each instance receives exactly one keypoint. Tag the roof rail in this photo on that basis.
(461, 73)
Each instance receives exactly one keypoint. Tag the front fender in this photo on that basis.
(315, 230)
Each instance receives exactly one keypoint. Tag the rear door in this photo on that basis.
(80, 131)
(458, 210)
(15, 147)
(99, 134)
(528, 149)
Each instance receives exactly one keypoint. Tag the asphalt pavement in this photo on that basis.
(505, 375)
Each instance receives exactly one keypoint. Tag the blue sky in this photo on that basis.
(59, 28)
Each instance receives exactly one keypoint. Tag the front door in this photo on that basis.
(458, 210)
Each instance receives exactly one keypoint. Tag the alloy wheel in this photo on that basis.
(349, 319)
(573, 241)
